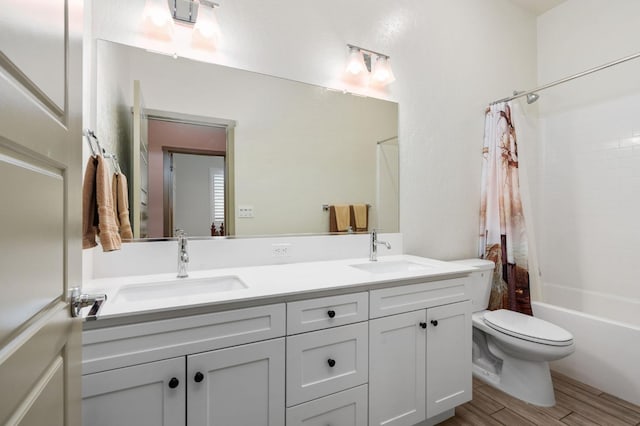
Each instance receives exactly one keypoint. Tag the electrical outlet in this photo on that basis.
(245, 211)
(281, 250)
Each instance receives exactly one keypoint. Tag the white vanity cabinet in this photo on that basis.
(239, 384)
(395, 355)
(420, 360)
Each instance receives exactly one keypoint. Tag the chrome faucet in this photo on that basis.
(183, 255)
(373, 247)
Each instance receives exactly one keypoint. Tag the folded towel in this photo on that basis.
(97, 208)
(360, 217)
(342, 217)
(121, 205)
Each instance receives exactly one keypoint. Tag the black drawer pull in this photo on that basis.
(423, 324)
(434, 322)
(198, 377)
(331, 313)
(173, 383)
(331, 362)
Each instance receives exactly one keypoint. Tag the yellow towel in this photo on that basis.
(360, 215)
(121, 205)
(97, 208)
(342, 217)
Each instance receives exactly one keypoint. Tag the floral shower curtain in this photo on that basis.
(503, 237)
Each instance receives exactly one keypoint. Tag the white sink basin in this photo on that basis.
(382, 267)
(177, 288)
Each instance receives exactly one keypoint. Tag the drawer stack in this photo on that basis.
(327, 360)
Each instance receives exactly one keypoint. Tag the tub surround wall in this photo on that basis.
(587, 182)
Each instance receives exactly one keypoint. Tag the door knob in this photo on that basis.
(173, 383)
(434, 322)
(331, 313)
(198, 377)
(331, 362)
(423, 324)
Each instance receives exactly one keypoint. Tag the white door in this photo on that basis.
(397, 346)
(151, 394)
(448, 357)
(40, 176)
(242, 385)
(140, 167)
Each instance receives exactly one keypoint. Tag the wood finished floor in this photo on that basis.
(577, 404)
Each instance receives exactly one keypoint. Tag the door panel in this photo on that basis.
(40, 177)
(32, 240)
(26, 24)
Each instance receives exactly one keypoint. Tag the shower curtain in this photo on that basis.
(503, 237)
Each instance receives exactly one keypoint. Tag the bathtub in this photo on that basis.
(607, 352)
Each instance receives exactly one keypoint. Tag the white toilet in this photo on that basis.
(511, 351)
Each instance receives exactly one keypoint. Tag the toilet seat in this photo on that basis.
(527, 328)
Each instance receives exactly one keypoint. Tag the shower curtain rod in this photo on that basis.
(572, 77)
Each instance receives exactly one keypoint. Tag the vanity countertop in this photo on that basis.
(152, 294)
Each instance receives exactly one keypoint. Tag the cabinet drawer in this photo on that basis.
(346, 408)
(326, 361)
(325, 312)
(395, 300)
(115, 347)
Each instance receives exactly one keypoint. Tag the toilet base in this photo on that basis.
(526, 380)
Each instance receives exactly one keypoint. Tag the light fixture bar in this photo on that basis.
(362, 49)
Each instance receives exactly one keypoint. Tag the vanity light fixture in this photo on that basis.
(206, 30)
(157, 19)
(159, 16)
(361, 61)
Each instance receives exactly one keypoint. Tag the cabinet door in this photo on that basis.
(397, 346)
(141, 395)
(242, 385)
(448, 357)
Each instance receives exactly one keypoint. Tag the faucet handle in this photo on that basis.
(179, 233)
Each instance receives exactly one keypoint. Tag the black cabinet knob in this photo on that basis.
(173, 383)
(198, 377)
(434, 322)
(331, 362)
(331, 313)
(423, 324)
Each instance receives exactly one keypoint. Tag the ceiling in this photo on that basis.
(538, 6)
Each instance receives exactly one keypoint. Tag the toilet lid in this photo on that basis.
(527, 327)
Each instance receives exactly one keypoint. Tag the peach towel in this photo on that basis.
(121, 205)
(360, 216)
(342, 217)
(97, 207)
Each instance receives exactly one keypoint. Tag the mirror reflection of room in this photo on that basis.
(186, 178)
(290, 148)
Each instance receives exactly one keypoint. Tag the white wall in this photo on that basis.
(450, 59)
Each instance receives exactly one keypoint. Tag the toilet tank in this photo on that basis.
(480, 282)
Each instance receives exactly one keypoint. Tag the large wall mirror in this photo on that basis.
(202, 143)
